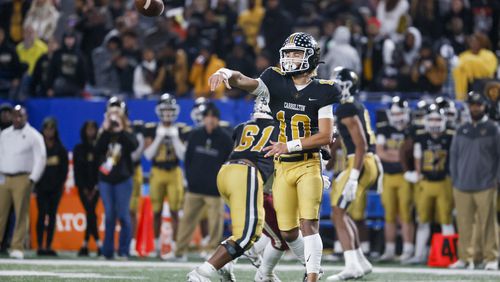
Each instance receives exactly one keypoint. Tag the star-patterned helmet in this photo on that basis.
(435, 119)
(304, 42)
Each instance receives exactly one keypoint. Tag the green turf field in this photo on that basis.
(69, 268)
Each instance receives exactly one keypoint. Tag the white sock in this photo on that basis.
(98, 243)
(259, 246)
(423, 233)
(361, 257)
(85, 244)
(206, 269)
(365, 247)
(447, 229)
(390, 248)
(408, 248)
(313, 249)
(270, 259)
(337, 247)
(297, 247)
(350, 258)
(157, 244)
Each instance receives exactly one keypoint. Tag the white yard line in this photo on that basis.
(25, 273)
(240, 266)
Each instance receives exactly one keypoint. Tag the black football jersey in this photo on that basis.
(393, 140)
(165, 157)
(250, 138)
(297, 111)
(350, 109)
(435, 154)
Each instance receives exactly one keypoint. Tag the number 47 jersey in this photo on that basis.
(250, 139)
(298, 109)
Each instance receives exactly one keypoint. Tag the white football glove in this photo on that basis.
(161, 131)
(326, 182)
(411, 176)
(351, 186)
(172, 132)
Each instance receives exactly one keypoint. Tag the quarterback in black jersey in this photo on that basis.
(165, 148)
(349, 189)
(302, 105)
(240, 182)
(431, 148)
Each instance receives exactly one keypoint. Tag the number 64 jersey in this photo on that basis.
(298, 110)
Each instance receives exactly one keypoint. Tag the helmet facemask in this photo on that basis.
(398, 117)
(435, 123)
(294, 65)
(167, 113)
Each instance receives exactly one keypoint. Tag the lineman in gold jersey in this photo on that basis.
(431, 152)
(165, 148)
(303, 107)
(348, 196)
(240, 182)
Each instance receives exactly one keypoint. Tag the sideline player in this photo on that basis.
(302, 105)
(431, 152)
(165, 148)
(240, 182)
(349, 189)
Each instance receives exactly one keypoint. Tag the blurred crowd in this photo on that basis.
(51, 48)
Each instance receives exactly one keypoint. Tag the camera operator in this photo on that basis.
(114, 146)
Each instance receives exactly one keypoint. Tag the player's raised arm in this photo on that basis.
(232, 78)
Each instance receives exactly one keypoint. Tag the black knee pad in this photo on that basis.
(234, 251)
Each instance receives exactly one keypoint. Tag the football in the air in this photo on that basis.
(150, 8)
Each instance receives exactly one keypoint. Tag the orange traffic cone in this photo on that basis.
(443, 250)
(145, 233)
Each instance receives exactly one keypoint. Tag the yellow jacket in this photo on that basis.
(30, 56)
(473, 66)
(199, 78)
(250, 21)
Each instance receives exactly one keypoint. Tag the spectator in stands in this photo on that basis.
(85, 167)
(340, 54)
(114, 147)
(475, 171)
(106, 76)
(309, 20)
(67, 75)
(475, 63)
(30, 49)
(12, 15)
(262, 62)
(22, 163)
(145, 74)
(458, 10)
(40, 83)
(276, 26)
(405, 55)
(159, 35)
(457, 36)
(392, 16)
(173, 72)
(10, 68)
(211, 29)
(250, 21)
(94, 21)
(205, 64)
(190, 45)
(485, 19)
(243, 61)
(372, 54)
(425, 17)
(50, 188)
(429, 71)
(128, 60)
(43, 16)
(227, 17)
(208, 144)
